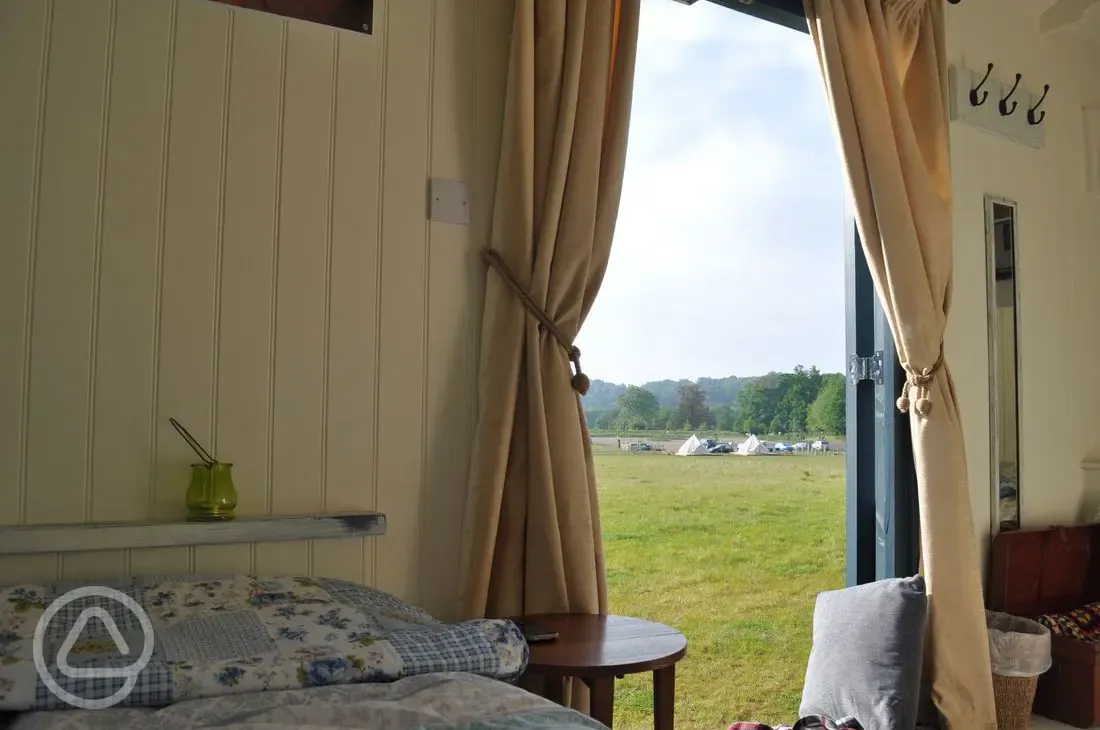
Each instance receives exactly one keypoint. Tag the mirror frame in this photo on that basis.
(996, 524)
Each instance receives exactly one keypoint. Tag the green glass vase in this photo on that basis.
(211, 495)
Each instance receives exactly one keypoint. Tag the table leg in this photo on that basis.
(554, 689)
(602, 700)
(664, 697)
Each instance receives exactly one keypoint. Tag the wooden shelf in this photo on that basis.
(29, 539)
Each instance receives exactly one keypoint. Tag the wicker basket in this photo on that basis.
(1014, 697)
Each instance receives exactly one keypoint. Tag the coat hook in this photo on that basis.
(1032, 119)
(974, 100)
(1005, 110)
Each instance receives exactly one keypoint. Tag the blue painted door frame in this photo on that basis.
(882, 518)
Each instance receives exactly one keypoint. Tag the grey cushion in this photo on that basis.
(868, 649)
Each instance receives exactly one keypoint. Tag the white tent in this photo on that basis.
(692, 447)
(751, 446)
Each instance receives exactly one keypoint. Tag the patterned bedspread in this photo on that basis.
(226, 635)
(436, 701)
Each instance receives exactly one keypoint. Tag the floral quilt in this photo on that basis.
(222, 635)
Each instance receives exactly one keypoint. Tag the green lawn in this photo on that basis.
(732, 551)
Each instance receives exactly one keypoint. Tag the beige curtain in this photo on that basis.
(532, 527)
(885, 69)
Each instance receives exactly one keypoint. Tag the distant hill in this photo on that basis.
(603, 395)
(800, 401)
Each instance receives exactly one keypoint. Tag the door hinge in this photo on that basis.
(866, 368)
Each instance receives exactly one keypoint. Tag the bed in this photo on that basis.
(256, 652)
(441, 701)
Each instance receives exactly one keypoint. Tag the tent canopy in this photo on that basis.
(692, 447)
(751, 445)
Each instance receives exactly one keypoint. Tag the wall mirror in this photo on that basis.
(1002, 296)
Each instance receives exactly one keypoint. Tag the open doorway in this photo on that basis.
(737, 323)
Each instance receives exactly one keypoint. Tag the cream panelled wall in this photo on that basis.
(220, 215)
(1058, 232)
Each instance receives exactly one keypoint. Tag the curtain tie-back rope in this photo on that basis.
(920, 381)
(579, 381)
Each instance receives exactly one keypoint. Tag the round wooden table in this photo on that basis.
(597, 649)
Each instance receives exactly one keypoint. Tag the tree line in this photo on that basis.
(801, 401)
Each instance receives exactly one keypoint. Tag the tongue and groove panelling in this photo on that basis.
(220, 215)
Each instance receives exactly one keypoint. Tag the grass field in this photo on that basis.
(732, 551)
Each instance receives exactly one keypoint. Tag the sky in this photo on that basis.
(728, 257)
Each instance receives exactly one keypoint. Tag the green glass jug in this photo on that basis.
(211, 495)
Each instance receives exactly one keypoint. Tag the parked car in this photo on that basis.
(720, 449)
(782, 448)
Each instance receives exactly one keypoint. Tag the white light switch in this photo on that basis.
(448, 202)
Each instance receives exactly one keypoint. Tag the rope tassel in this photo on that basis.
(920, 382)
(579, 381)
